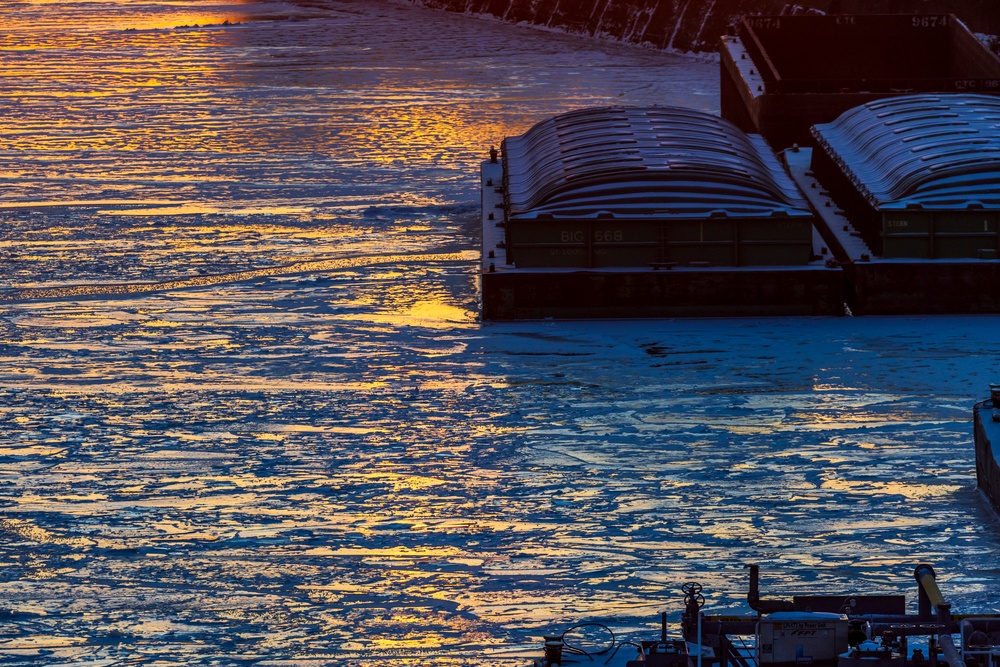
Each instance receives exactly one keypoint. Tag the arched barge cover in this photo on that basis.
(641, 163)
(936, 152)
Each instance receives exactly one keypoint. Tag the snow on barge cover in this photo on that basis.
(647, 212)
(908, 189)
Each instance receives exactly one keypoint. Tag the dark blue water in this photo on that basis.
(250, 415)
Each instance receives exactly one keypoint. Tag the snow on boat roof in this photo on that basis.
(931, 151)
(634, 162)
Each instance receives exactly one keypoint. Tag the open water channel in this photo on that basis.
(249, 415)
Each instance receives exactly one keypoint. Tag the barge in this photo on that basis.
(890, 207)
(908, 190)
(780, 75)
(647, 212)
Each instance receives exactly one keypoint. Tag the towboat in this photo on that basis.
(851, 630)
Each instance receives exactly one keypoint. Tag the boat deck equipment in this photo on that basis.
(809, 631)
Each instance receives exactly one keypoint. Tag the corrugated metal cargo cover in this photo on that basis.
(619, 187)
(919, 174)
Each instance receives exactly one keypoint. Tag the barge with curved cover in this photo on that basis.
(625, 186)
(663, 211)
(642, 212)
(917, 177)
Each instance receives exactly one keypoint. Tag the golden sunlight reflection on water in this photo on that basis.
(249, 413)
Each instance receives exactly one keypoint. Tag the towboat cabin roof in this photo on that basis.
(641, 163)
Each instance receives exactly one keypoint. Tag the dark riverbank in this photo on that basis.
(695, 25)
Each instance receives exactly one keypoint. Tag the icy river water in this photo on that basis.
(250, 416)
